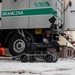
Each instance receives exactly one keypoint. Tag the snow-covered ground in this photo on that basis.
(61, 67)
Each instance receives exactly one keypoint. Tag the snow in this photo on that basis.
(61, 67)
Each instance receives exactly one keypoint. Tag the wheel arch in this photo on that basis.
(8, 37)
(16, 32)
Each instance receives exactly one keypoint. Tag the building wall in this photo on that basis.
(65, 52)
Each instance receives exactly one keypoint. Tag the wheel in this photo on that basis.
(49, 58)
(55, 58)
(24, 58)
(17, 45)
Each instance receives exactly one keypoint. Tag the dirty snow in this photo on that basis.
(61, 67)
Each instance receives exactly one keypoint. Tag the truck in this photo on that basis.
(31, 26)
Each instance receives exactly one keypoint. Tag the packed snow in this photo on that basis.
(61, 67)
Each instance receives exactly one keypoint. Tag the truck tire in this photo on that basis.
(49, 58)
(24, 58)
(17, 45)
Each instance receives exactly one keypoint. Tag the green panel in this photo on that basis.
(42, 4)
(28, 12)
